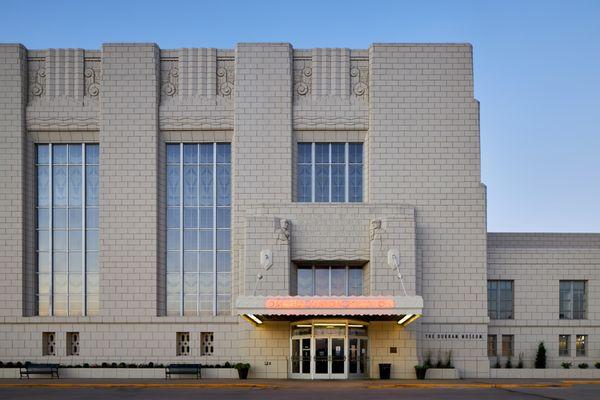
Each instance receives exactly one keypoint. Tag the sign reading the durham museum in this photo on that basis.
(455, 336)
(278, 303)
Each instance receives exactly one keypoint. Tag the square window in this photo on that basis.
(183, 343)
(72, 343)
(581, 345)
(206, 343)
(564, 345)
(49, 343)
(492, 343)
(507, 345)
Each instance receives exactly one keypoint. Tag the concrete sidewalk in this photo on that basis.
(291, 384)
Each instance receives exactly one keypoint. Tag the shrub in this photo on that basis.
(238, 366)
(566, 365)
(497, 365)
(540, 357)
(439, 364)
(104, 365)
(520, 363)
(420, 371)
(508, 363)
(427, 363)
(113, 365)
(583, 365)
(597, 365)
(449, 360)
(122, 365)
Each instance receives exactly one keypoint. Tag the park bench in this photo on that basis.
(39, 369)
(182, 369)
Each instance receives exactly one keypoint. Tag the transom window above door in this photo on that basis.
(329, 172)
(329, 281)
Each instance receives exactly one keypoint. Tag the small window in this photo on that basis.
(492, 346)
(329, 281)
(507, 345)
(207, 340)
(72, 343)
(329, 172)
(183, 343)
(572, 300)
(49, 343)
(581, 345)
(500, 299)
(563, 345)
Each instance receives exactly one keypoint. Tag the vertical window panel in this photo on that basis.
(70, 173)
(338, 282)
(321, 281)
(305, 282)
(92, 182)
(333, 174)
(206, 185)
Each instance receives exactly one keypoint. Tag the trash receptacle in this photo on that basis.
(384, 371)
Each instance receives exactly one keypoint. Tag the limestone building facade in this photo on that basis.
(312, 212)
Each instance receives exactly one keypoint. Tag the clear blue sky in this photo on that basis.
(537, 74)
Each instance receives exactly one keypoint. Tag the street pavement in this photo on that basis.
(295, 390)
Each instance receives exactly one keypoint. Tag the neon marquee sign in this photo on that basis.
(288, 303)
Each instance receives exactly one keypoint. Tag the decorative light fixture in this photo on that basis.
(407, 319)
(253, 318)
(355, 326)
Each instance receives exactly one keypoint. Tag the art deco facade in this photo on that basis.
(312, 212)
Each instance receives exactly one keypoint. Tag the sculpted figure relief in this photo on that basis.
(375, 228)
(282, 231)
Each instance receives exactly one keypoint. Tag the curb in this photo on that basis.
(137, 385)
(483, 385)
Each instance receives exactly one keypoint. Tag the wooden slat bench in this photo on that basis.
(182, 369)
(39, 369)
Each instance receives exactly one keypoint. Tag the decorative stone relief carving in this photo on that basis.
(169, 77)
(282, 230)
(302, 76)
(225, 77)
(359, 75)
(375, 229)
(93, 76)
(37, 77)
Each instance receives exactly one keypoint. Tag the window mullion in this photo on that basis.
(312, 172)
(67, 234)
(214, 228)
(329, 168)
(198, 307)
(51, 226)
(346, 172)
(181, 298)
(83, 231)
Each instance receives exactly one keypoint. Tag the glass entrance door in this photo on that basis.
(301, 357)
(358, 356)
(337, 368)
(330, 358)
(322, 358)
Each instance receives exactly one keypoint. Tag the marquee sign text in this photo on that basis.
(285, 303)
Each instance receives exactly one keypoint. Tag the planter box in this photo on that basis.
(548, 373)
(442, 373)
(124, 373)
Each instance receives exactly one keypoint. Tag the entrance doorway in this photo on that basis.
(329, 350)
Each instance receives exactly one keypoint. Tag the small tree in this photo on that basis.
(540, 357)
